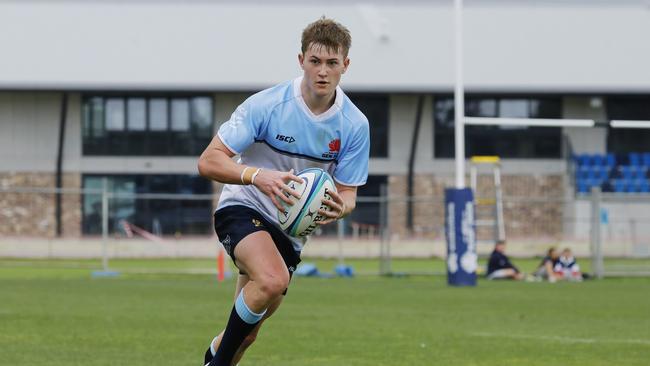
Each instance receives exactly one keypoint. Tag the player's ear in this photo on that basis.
(346, 64)
(301, 58)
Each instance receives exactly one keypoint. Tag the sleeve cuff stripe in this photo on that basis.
(226, 144)
(349, 184)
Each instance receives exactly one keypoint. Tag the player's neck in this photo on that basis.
(317, 104)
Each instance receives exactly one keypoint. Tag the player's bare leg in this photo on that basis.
(268, 278)
(242, 280)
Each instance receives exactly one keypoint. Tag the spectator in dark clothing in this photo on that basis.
(499, 265)
(546, 269)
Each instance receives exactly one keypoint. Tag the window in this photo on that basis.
(503, 141)
(137, 117)
(159, 216)
(375, 108)
(139, 125)
(626, 140)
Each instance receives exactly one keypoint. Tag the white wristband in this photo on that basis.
(255, 175)
(241, 177)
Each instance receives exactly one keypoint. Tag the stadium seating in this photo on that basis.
(627, 173)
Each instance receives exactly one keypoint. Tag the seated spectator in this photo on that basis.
(500, 267)
(546, 269)
(567, 268)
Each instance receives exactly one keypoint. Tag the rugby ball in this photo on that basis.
(302, 218)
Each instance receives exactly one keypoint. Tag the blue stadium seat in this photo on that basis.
(635, 159)
(604, 172)
(646, 159)
(627, 172)
(618, 185)
(639, 172)
(630, 186)
(584, 159)
(582, 186)
(644, 186)
(597, 160)
(610, 160)
(591, 174)
(583, 175)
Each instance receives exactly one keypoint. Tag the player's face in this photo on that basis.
(323, 69)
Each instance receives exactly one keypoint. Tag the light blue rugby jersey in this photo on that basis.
(274, 129)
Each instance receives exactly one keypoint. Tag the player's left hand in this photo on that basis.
(336, 208)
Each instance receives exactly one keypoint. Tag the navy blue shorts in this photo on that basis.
(234, 223)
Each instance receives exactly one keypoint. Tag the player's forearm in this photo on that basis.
(218, 166)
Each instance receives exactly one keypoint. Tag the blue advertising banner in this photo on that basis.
(461, 237)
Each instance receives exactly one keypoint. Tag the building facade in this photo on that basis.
(131, 93)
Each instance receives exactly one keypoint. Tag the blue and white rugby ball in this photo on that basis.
(303, 218)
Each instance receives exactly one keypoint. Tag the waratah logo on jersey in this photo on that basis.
(335, 147)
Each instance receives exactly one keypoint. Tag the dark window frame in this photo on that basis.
(378, 119)
(627, 107)
(148, 142)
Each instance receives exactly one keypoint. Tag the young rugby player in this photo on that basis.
(303, 123)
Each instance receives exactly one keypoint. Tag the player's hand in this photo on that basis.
(336, 208)
(274, 184)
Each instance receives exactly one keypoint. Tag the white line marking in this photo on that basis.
(561, 339)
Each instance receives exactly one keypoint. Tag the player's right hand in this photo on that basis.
(274, 184)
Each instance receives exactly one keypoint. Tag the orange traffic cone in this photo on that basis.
(221, 267)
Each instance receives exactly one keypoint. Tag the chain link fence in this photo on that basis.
(612, 231)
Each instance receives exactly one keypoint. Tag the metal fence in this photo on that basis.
(108, 224)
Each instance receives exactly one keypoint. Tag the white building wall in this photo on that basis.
(571, 45)
(29, 131)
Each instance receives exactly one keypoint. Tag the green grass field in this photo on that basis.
(53, 312)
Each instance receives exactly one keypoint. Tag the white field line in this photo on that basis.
(645, 342)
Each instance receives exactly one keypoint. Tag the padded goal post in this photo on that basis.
(460, 230)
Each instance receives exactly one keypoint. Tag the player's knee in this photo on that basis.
(274, 285)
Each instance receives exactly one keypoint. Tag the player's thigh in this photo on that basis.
(258, 257)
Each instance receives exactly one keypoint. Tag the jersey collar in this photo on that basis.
(338, 102)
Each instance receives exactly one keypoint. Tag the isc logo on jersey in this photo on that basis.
(284, 138)
(302, 218)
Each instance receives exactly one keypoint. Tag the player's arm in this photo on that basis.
(341, 204)
(216, 164)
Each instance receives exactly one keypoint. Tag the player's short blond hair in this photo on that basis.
(327, 33)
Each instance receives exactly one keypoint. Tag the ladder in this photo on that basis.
(494, 217)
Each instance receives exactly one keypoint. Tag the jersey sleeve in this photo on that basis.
(243, 127)
(352, 168)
